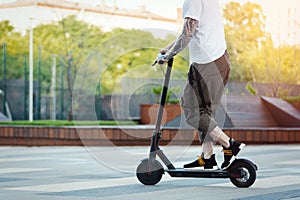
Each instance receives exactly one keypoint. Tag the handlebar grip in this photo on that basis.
(161, 62)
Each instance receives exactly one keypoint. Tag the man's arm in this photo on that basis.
(183, 40)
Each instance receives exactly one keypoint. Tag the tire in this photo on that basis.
(152, 177)
(248, 171)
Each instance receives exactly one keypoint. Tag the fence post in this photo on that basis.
(25, 87)
(61, 89)
(53, 87)
(30, 104)
(98, 102)
(38, 99)
(70, 82)
(4, 78)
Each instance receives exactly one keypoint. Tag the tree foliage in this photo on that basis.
(131, 52)
(72, 40)
(244, 28)
(254, 56)
(14, 42)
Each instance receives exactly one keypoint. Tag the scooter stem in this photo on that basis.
(156, 133)
(155, 150)
(163, 96)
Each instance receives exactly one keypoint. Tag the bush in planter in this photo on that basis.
(174, 91)
(172, 108)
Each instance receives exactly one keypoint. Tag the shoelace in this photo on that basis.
(201, 161)
(227, 152)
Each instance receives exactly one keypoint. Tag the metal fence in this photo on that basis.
(122, 106)
(16, 95)
(50, 101)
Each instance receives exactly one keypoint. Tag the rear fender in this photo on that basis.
(245, 161)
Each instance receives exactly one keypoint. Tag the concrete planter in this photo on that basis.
(149, 113)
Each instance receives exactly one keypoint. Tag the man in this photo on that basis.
(209, 69)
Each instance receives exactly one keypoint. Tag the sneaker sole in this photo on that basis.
(242, 145)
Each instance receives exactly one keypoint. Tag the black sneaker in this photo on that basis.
(201, 163)
(231, 152)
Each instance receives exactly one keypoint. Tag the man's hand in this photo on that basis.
(163, 51)
(161, 58)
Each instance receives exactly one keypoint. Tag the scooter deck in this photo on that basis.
(181, 172)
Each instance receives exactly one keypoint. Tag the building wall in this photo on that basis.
(20, 17)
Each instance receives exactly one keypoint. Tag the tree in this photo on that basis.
(71, 40)
(127, 52)
(244, 29)
(278, 66)
(5, 30)
(254, 56)
(15, 49)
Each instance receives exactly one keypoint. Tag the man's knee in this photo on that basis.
(202, 122)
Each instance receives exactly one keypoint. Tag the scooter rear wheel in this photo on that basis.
(149, 177)
(243, 174)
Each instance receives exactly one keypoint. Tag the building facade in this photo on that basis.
(23, 13)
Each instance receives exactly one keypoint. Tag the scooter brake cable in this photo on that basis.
(162, 70)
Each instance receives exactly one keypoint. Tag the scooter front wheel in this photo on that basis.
(242, 174)
(149, 177)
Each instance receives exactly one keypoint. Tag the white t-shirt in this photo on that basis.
(208, 43)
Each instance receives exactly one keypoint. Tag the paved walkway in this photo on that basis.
(67, 173)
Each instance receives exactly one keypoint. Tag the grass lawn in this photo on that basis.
(67, 123)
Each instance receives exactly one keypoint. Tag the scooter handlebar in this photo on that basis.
(155, 62)
(159, 57)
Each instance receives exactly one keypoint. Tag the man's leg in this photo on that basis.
(206, 160)
(207, 84)
(207, 149)
(230, 147)
(220, 137)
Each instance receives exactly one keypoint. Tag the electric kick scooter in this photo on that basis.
(241, 172)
